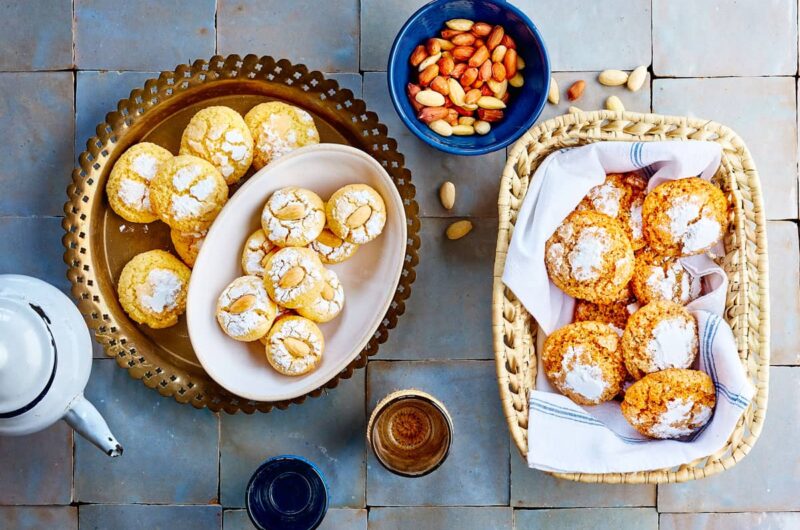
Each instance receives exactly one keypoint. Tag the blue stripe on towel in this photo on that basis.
(709, 335)
(567, 414)
(639, 146)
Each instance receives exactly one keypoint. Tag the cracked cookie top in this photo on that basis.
(356, 213)
(128, 186)
(293, 217)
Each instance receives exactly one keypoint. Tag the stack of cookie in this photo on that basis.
(287, 289)
(618, 254)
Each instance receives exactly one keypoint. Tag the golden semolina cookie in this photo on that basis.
(128, 185)
(278, 128)
(590, 257)
(583, 361)
(620, 197)
(658, 336)
(282, 312)
(332, 248)
(328, 303)
(294, 345)
(187, 193)
(684, 217)
(294, 277)
(187, 244)
(615, 314)
(293, 217)
(356, 213)
(152, 288)
(662, 278)
(220, 136)
(671, 403)
(257, 250)
(244, 310)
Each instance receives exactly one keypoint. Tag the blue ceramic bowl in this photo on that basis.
(526, 103)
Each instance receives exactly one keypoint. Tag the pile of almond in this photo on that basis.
(464, 76)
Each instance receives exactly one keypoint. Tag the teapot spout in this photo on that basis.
(87, 421)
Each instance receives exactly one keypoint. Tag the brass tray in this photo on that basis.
(99, 243)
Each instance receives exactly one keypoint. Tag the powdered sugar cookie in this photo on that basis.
(152, 288)
(293, 217)
(328, 303)
(294, 277)
(621, 197)
(187, 244)
(356, 213)
(663, 278)
(294, 346)
(257, 250)
(128, 185)
(279, 128)
(244, 310)
(332, 248)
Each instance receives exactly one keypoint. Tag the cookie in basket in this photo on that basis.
(294, 277)
(356, 213)
(615, 314)
(278, 128)
(328, 303)
(188, 193)
(219, 135)
(331, 248)
(294, 346)
(621, 196)
(152, 288)
(590, 257)
(658, 336)
(244, 310)
(657, 277)
(257, 250)
(293, 217)
(670, 404)
(684, 217)
(583, 361)
(128, 186)
(187, 244)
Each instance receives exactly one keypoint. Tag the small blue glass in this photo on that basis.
(287, 492)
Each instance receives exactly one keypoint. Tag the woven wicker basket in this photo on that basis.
(747, 307)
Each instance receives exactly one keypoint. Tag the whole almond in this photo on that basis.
(242, 304)
(433, 47)
(441, 127)
(463, 39)
(440, 85)
(463, 130)
(486, 91)
(481, 29)
(452, 116)
(498, 54)
(508, 42)
(614, 103)
(292, 278)
(498, 72)
(517, 81)
(360, 215)
(448, 33)
(520, 62)
(458, 229)
(411, 90)
(637, 78)
(291, 212)
(459, 24)
(428, 75)
(329, 239)
(485, 71)
(495, 38)
(445, 45)
(446, 65)
(466, 120)
(463, 53)
(431, 114)
(612, 77)
(490, 115)
(458, 70)
(510, 62)
(480, 55)
(328, 292)
(418, 55)
(431, 59)
(482, 127)
(296, 347)
(456, 92)
(575, 91)
(472, 96)
(447, 195)
(499, 88)
(488, 102)
(553, 94)
(469, 76)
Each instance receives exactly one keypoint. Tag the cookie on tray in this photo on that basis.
(278, 128)
(328, 303)
(244, 310)
(294, 346)
(128, 185)
(331, 248)
(621, 197)
(684, 217)
(293, 217)
(220, 136)
(294, 277)
(672, 403)
(257, 250)
(152, 288)
(188, 193)
(583, 361)
(590, 257)
(658, 277)
(658, 336)
(356, 213)
(187, 244)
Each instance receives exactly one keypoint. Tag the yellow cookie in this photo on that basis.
(257, 250)
(294, 346)
(128, 186)
(244, 310)
(152, 288)
(187, 244)
(328, 303)
(356, 213)
(293, 217)
(332, 248)
(294, 277)
(277, 129)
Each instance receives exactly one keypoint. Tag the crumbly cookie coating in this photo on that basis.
(658, 336)
(128, 185)
(152, 288)
(621, 197)
(188, 193)
(684, 217)
(293, 217)
(615, 314)
(328, 303)
(662, 278)
(278, 128)
(356, 213)
(244, 310)
(187, 244)
(294, 346)
(294, 277)
(331, 248)
(256, 252)
(670, 404)
(583, 361)
(220, 136)
(590, 257)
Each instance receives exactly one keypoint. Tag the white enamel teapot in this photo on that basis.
(45, 361)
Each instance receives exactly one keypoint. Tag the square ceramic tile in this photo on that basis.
(144, 35)
(137, 516)
(171, 450)
(639, 518)
(335, 519)
(762, 110)
(726, 521)
(720, 38)
(476, 177)
(37, 123)
(322, 35)
(595, 95)
(32, 246)
(784, 282)
(450, 310)
(532, 488)
(380, 22)
(39, 36)
(476, 470)
(436, 518)
(38, 517)
(347, 80)
(329, 431)
(37, 468)
(766, 479)
(582, 36)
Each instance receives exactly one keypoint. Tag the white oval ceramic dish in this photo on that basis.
(370, 277)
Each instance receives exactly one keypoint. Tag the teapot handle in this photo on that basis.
(87, 421)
